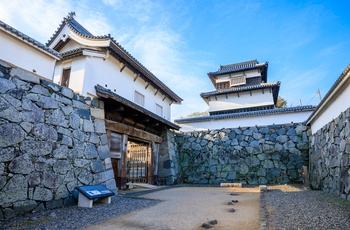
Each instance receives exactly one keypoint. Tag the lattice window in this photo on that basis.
(139, 98)
(159, 110)
(239, 80)
(222, 85)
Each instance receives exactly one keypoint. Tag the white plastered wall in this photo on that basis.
(25, 56)
(283, 118)
(242, 100)
(87, 72)
(336, 104)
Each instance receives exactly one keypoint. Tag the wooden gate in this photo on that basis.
(138, 162)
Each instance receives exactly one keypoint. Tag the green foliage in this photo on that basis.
(196, 114)
(281, 102)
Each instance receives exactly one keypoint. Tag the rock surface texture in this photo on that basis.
(248, 155)
(51, 141)
(330, 157)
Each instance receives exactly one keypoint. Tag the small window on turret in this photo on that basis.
(239, 80)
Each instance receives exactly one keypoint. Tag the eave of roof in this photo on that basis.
(119, 51)
(107, 93)
(247, 114)
(116, 47)
(333, 90)
(12, 31)
(272, 85)
(239, 67)
(241, 89)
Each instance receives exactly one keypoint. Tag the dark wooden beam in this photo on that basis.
(117, 108)
(136, 76)
(121, 69)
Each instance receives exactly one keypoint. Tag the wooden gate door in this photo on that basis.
(139, 163)
(117, 150)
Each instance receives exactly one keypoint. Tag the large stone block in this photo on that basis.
(67, 92)
(62, 166)
(84, 176)
(22, 207)
(88, 126)
(100, 126)
(11, 134)
(80, 105)
(103, 176)
(7, 154)
(36, 148)
(90, 151)
(52, 180)
(45, 132)
(47, 103)
(24, 75)
(9, 112)
(56, 117)
(15, 190)
(6, 85)
(21, 165)
(96, 166)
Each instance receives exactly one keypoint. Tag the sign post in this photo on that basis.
(88, 193)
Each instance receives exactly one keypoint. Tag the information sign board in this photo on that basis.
(95, 191)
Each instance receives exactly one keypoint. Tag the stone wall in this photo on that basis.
(249, 155)
(330, 157)
(168, 166)
(51, 140)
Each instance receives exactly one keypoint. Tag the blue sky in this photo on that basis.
(307, 43)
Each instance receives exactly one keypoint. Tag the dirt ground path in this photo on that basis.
(190, 207)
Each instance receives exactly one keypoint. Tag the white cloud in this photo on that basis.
(140, 26)
(38, 19)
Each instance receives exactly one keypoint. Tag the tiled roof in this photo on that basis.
(135, 106)
(275, 86)
(247, 114)
(330, 91)
(120, 52)
(30, 40)
(238, 67)
(75, 26)
(241, 89)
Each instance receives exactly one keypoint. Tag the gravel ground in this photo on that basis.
(282, 207)
(74, 217)
(294, 207)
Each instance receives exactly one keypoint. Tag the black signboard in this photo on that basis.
(95, 191)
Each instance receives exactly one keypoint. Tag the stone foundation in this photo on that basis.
(330, 157)
(248, 155)
(52, 140)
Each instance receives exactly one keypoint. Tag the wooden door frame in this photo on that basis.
(128, 131)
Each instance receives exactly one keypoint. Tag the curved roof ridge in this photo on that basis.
(76, 27)
(252, 62)
(82, 32)
(238, 67)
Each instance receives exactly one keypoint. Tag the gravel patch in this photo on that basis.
(74, 217)
(295, 207)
